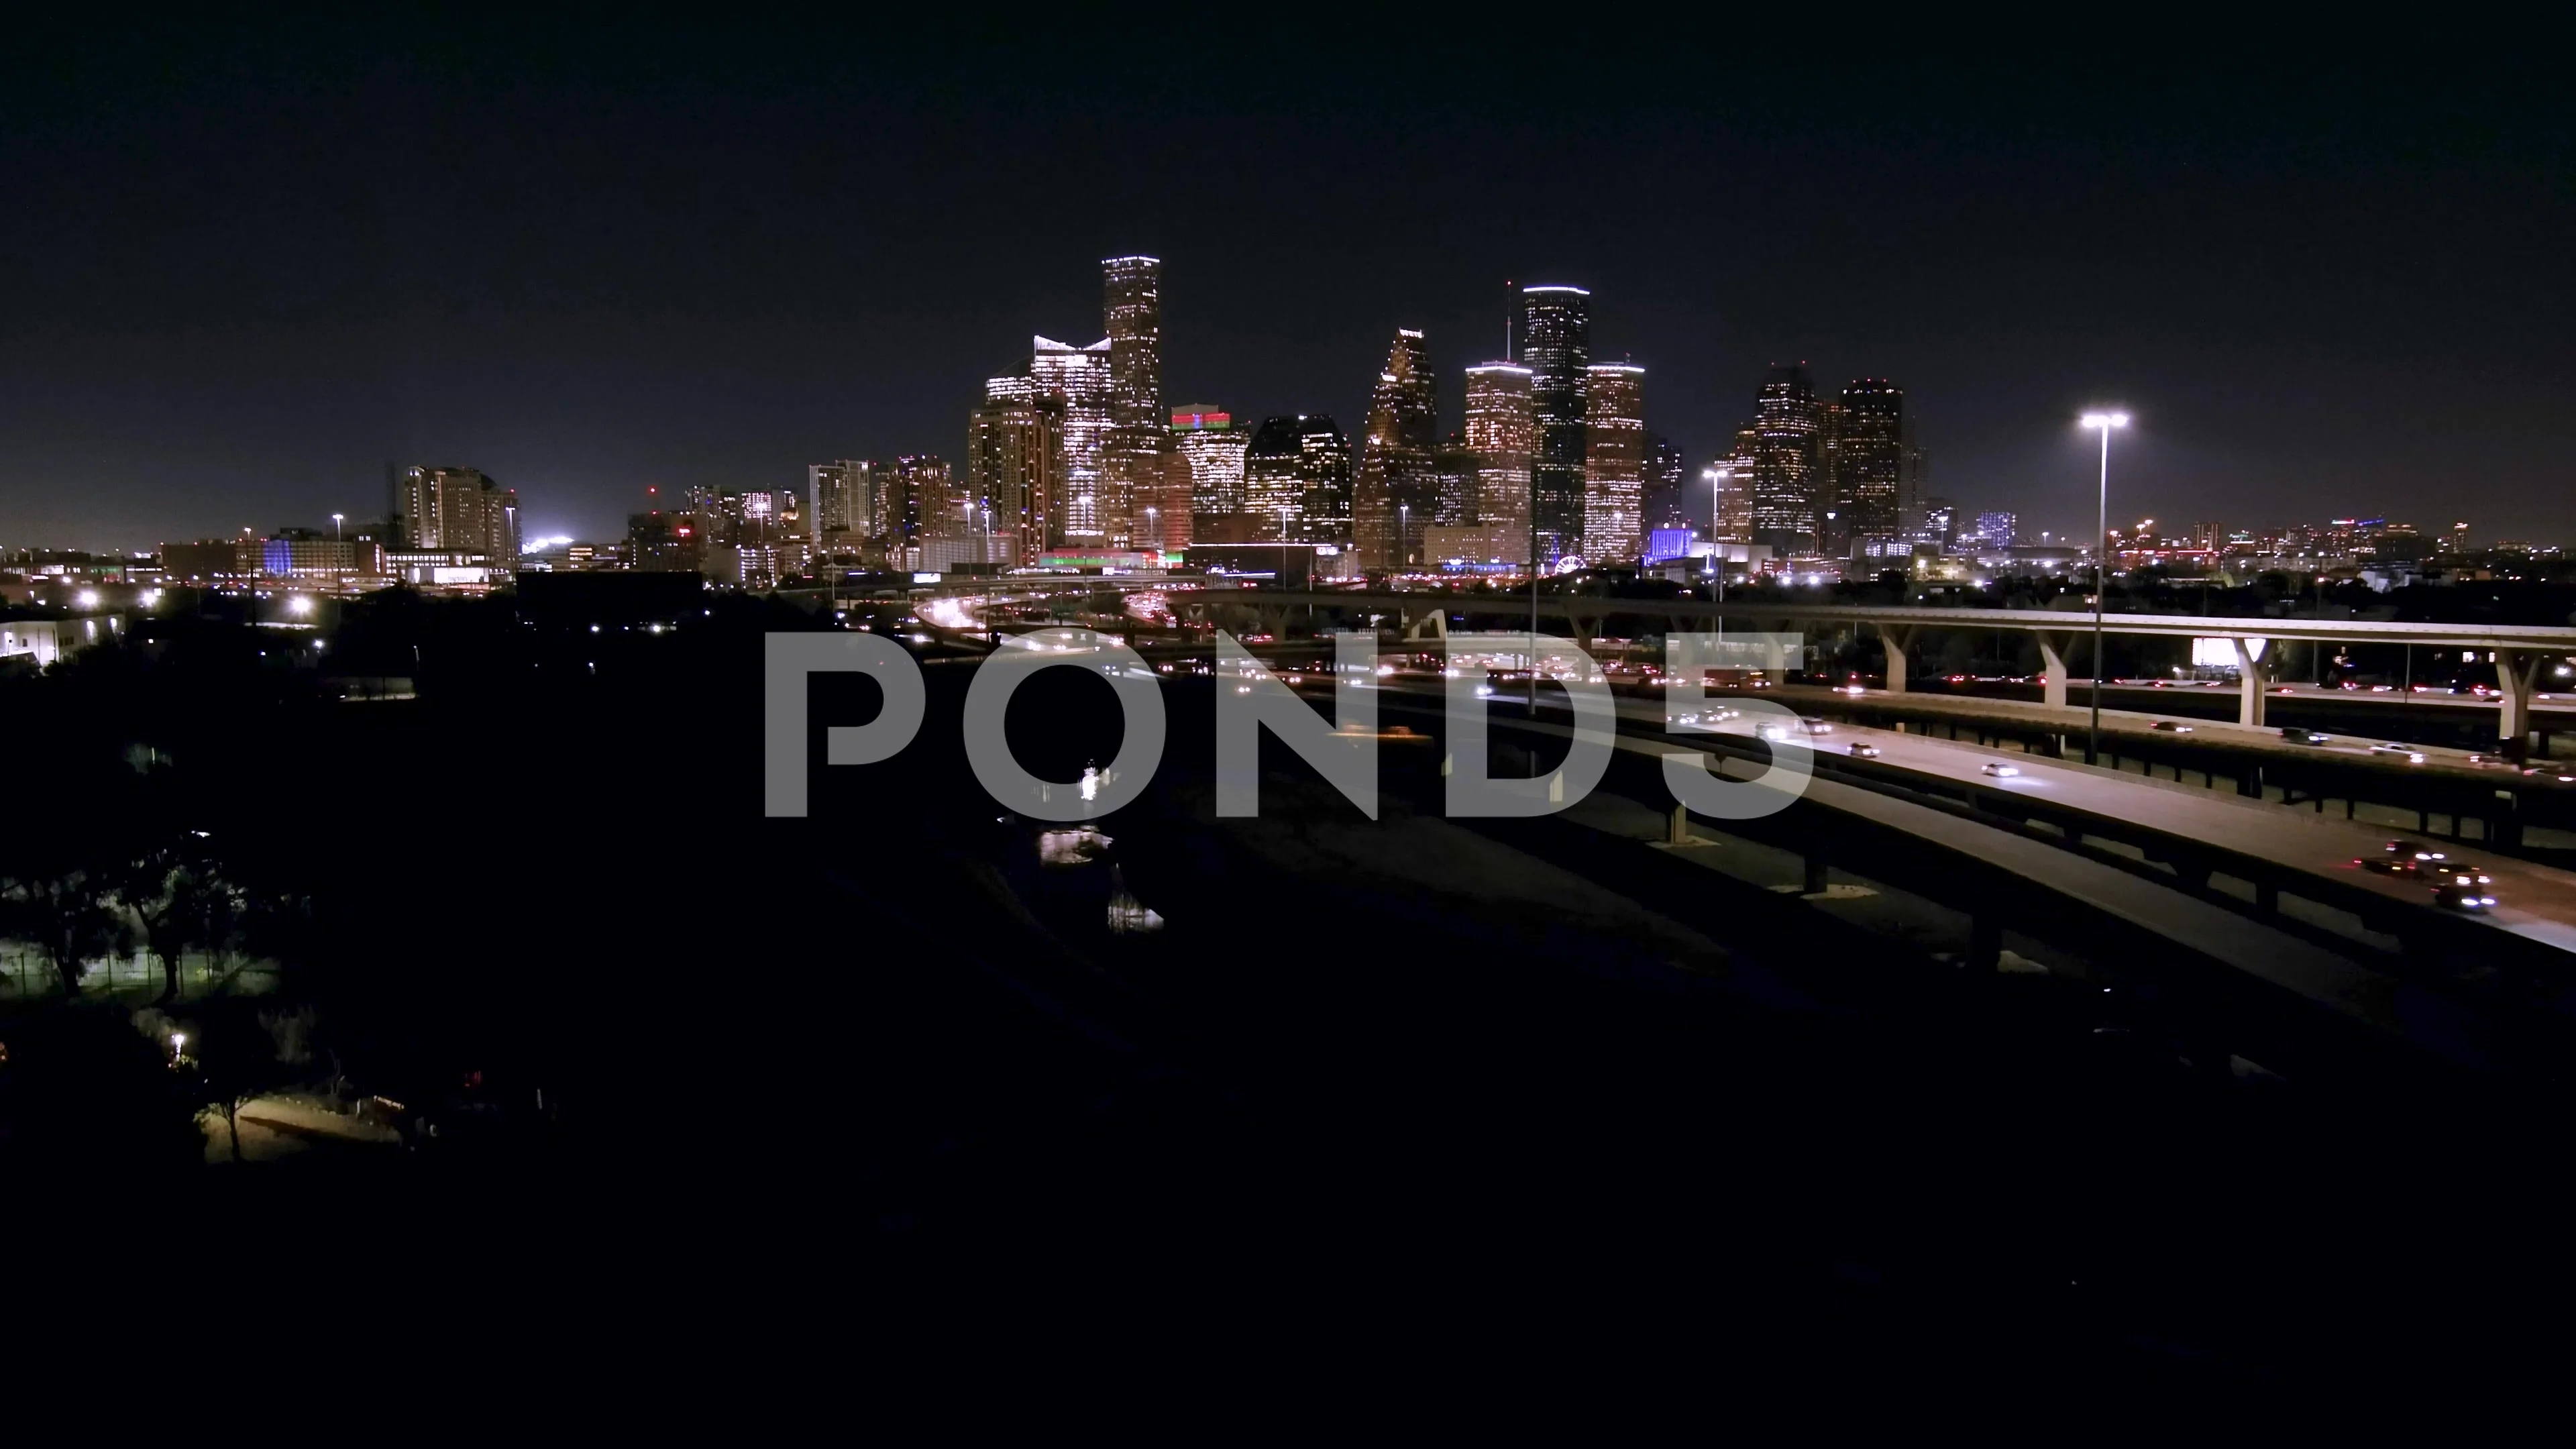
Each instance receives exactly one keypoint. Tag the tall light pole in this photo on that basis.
(2104, 423)
(1404, 534)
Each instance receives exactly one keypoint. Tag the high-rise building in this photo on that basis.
(1614, 462)
(1558, 347)
(1999, 530)
(1454, 468)
(1297, 481)
(1789, 424)
(1205, 441)
(459, 509)
(1936, 522)
(1499, 434)
(1667, 499)
(1015, 466)
(1735, 486)
(1079, 377)
(841, 501)
(1918, 471)
(1132, 455)
(913, 500)
(1396, 493)
(1869, 463)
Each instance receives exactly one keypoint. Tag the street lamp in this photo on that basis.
(1403, 533)
(335, 527)
(2104, 422)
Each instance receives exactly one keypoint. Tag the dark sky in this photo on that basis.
(241, 271)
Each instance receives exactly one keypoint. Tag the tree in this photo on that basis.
(179, 897)
(65, 909)
(242, 1055)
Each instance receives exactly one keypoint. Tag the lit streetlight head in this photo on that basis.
(2106, 420)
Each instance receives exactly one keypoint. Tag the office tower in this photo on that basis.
(1614, 462)
(1297, 481)
(1131, 459)
(1079, 377)
(1015, 465)
(1999, 530)
(1869, 463)
(1666, 499)
(1789, 426)
(1557, 346)
(661, 543)
(1936, 522)
(459, 509)
(841, 500)
(1205, 441)
(1918, 471)
(1396, 493)
(1499, 434)
(1734, 494)
(1454, 470)
(912, 496)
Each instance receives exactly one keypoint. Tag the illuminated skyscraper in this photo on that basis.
(1731, 494)
(1557, 347)
(1788, 495)
(458, 508)
(1015, 465)
(1666, 502)
(1397, 492)
(841, 501)
(1455, 469)
(1131, 464)
(1080, 377)
(1297, 481)
(1614, 462)
(1213, 452)
(1869, 462)
(1499, 434)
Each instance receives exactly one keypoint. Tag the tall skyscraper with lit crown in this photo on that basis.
(1557, 346)
(1396, 493)
(1079, 377)
(1132, 468)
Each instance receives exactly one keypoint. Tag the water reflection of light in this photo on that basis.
(1129, 916)
(1079, 846)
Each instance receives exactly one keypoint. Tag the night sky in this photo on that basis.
(245, 270)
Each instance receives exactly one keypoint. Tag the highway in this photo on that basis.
(2536, 902)
(2140, 724)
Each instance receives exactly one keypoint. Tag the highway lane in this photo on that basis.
(2536, 902)
(2153, 909)
(2139, 725)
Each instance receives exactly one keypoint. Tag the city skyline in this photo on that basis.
(2386, 329)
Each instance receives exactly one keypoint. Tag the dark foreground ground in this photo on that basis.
(1398, 1091)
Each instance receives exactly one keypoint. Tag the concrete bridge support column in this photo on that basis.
(2249, 684)
(2052, 664)
(1426, 623)
(1817, 857)
(1583, 628)
(1897, 639)
(2517, 674)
